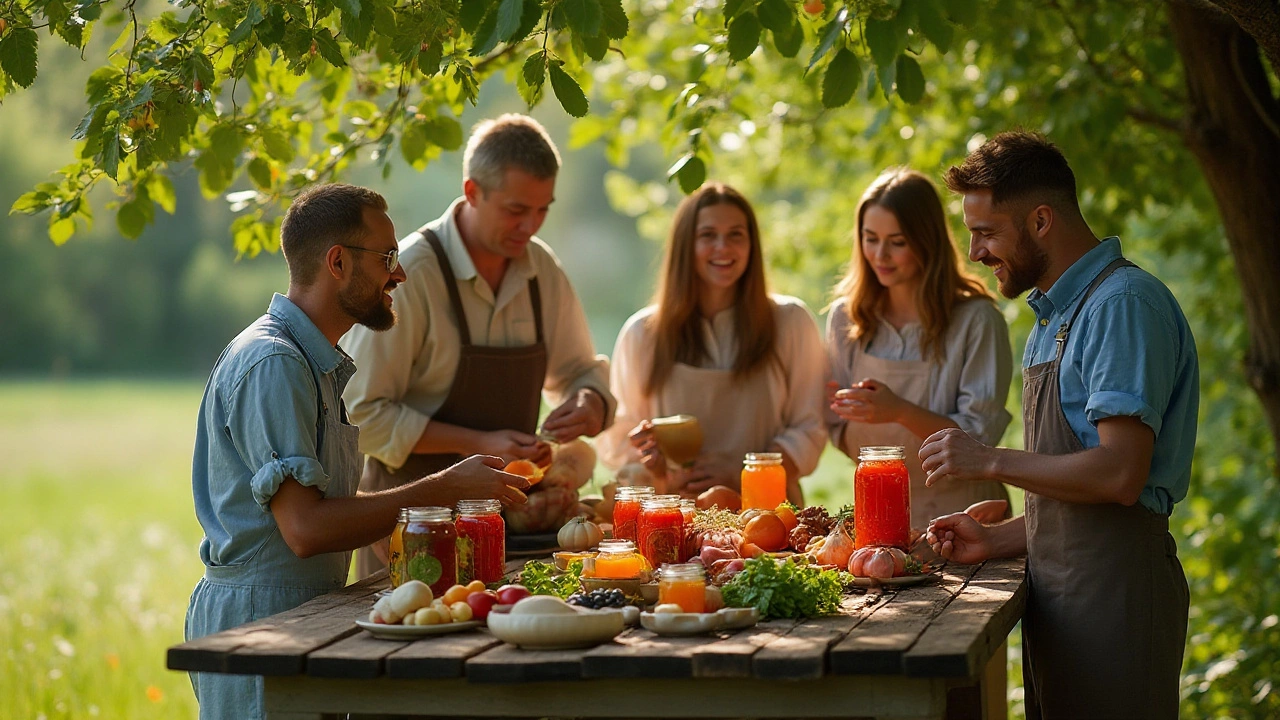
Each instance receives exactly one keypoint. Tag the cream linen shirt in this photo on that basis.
(406, 372)
(790, 405)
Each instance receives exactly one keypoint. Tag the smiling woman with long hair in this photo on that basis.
(915, 344)
(716, 345)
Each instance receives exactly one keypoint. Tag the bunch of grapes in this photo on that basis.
(600, 598)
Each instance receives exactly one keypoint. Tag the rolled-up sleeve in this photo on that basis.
(1128, 360)
(271, 419)
(572, 362)
(628, 370)
(985, 374)
(802, 436)
(389, 428)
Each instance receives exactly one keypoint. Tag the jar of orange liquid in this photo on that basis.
(688, 508)
(618, 560)
(660, 529)
(764, 481)
(882, 498)
(684, 584)
(626, 510)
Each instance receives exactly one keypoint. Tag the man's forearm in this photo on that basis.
(442, 437)
(1096, 475)
(1009, 539)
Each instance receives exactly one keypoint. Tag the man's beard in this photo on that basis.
(1024, 268)
(362, 300)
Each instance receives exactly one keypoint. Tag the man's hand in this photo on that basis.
(988, 512)
(643, 440)
(582, 414)
(869, 401)
(959, 538)
(511, 445)
(479, 477)
(951, 453)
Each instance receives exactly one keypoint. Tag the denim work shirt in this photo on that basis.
(272, 410)
(1129, 353)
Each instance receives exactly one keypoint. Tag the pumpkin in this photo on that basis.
(579, 534)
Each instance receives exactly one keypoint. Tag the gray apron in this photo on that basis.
(494, 388)
(1106, 616)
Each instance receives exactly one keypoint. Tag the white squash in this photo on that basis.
(579, 534)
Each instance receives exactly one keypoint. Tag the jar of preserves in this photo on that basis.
(684, 584)
(882, 498)
(764, 481)
(660, 529)
(618, 560)
(626, 510)
(688, 508)
(424, 546)
(482, 541)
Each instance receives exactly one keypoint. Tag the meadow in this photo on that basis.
(98, 548)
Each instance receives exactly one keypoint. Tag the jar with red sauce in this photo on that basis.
(660, 529)
(424, 546)
(882, 498)
(482, 541)
(626, 510)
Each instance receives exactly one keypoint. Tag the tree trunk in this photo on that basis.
(1233, 128)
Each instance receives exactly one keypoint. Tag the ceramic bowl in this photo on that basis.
(680, 624)
(578, 629)
(629, 586)
(738, 618)
(649, 592)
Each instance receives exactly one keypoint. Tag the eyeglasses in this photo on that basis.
(392, 258)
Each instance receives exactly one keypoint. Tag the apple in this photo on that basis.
(511, 594)
(481, 603)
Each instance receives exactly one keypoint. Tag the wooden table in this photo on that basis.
(920, 652)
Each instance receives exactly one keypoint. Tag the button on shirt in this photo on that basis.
(1129, 353)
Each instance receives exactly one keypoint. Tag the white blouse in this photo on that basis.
(790, 403)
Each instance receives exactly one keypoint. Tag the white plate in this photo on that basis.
(903, 581)
(577, 629)
(681, 624)
(409, 632)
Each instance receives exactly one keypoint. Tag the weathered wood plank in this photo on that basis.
(359, 656)
(802, 653)
(510, 664)
(961, 640)
(731, 657)
(211, 653)
(442, 656)
(878, 644)
(640, 653)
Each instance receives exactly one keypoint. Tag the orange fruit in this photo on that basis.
(525, 469)
(787, 515)
(767, 531)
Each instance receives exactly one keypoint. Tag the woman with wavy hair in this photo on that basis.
(716, 345)
(914, 343)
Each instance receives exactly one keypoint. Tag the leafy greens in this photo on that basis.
(784, 589)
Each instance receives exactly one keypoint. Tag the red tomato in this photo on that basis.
(510, 594)
(481, 603)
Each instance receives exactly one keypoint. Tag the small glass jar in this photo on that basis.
(626, 510)
(482, 541)
(882, 497)
(684, 584)
(688, 508)
(424, 546)
(660, 529)
(618, 560)
(764, 481)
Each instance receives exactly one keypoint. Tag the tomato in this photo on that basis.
(481, 603)
(767, 531)
(510, 594)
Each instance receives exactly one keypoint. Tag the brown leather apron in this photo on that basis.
(1106, 616)
(494, 388)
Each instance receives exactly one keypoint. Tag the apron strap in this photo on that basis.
(1061, 335)
(450, 282)
(535, 299)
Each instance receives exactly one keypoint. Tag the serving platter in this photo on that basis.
(383, 631)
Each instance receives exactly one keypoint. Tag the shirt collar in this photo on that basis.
(326, 357)
(1068, 288)
(520, 268)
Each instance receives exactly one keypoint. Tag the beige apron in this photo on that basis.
(1106, 616)
(735, 415)
(494, 388)
(909, 379)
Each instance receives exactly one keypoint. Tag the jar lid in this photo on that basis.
(479, 507)
(763, 459)
(882, 452)
(617, 546)
(661, 502)
(426, 514)
(634, 492)
(682, 571)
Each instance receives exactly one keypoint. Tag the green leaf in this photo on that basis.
(30, 203)
(101, 81)
(744, 36)
(356, 26)
(131, 219)
(733, 7)
(350, 7)
(886, 40)
(829, 35)
(18, 50)
(776, 15)
(690, 171)
(962, 12)
(841, 80)
(444, 132)
(472, 12)
(529, 18)
(887, 75)
(584, 16)
(509, 14)
(568, 92)
(277, 144)
(161, 190)
(788, 43)
(596, 46)
(61, 229)
(935, 26)
(532, 77)
(260, 173)
(328, 48)
(429, 60)
(910, 79)
(614, 19)
(486, 38)
(253, 16)
(413, 142)
(202, 69)
(111, 153)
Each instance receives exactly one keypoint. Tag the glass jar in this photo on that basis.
(764, 481)
(882, 498)
(626, 510)
(424, 546)
(687, 509)
(684, 584)
(482, 541)
(618, 560)
(660, 529)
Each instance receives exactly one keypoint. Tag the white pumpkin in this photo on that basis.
(579, 534)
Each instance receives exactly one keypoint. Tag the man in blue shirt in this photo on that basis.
(276, 463)
(1110, 394)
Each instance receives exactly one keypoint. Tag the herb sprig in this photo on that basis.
(542, 579)
(784, 589)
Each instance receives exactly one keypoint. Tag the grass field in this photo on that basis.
(98, 547)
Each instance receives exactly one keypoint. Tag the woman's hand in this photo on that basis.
(869, 401)
(707, 471)
(643, 440)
